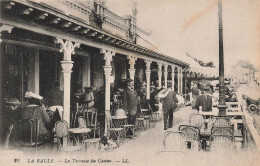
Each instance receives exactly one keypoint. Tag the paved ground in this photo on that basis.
(142, 151)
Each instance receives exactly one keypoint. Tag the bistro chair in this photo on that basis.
(174, 141)
(222, 131)
(155, 115)
(91, 121)
(7, 137)
(140, 123)
(146, 116)
(29, 134)
(82, 124)
(222, 143)
(221, 122)
(87, 141)
(117, 132)
(127, 128)
(61, 131)
(192, 136)
(197, 120)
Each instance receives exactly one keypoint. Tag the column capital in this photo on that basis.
(67, 48)
(148, 64)
(107, 56)
(132, 60)
(7, 28)
(160, 66)
(165, 68)
(66, 66)
(107, 70)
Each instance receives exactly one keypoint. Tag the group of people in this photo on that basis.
(133, 100)
(46, 110)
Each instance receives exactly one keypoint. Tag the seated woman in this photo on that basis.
(35, 111)
(89, 97)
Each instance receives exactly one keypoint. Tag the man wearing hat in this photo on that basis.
(35, 111)
(131, 102)
(204, 100)
(54, 99)
(169, 100)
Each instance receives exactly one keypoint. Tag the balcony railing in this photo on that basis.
(115, 24)
(252, 138)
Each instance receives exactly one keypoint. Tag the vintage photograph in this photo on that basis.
(130, 82)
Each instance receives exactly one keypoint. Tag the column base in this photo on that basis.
(222, 110)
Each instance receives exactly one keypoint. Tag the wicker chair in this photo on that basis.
(174, 141)
(222, 143)
(192, 136)
(222, 131)
(221, 122)
(197, 120)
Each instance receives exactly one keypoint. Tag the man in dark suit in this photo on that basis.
(204, 100)
(54, 99)
(169, 101)
(131, 102)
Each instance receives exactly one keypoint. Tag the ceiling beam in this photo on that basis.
(26, 11)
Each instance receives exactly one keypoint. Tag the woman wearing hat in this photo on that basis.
(35, 111)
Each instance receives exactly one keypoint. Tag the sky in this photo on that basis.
(191, 26)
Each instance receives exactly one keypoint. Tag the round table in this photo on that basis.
(77, 131)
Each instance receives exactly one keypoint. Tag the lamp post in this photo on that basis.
(222, 104)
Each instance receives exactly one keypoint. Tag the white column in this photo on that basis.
(165, 75)
(173, 75)
(160, 74)
(67, 48)
(148, 79)
(131, 70)
(178, 76)
(181, 80)
(107, 69)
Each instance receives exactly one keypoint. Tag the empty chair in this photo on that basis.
(155, 115)
(7, 137)
(147, 117)
(61, 131)
(174, 141)
(87, 141)
(222, 131)
(222, 143)
(91, 121)
(197, 120)
(29, 134)
(221, 122)
(117, 132)
(191, 136)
